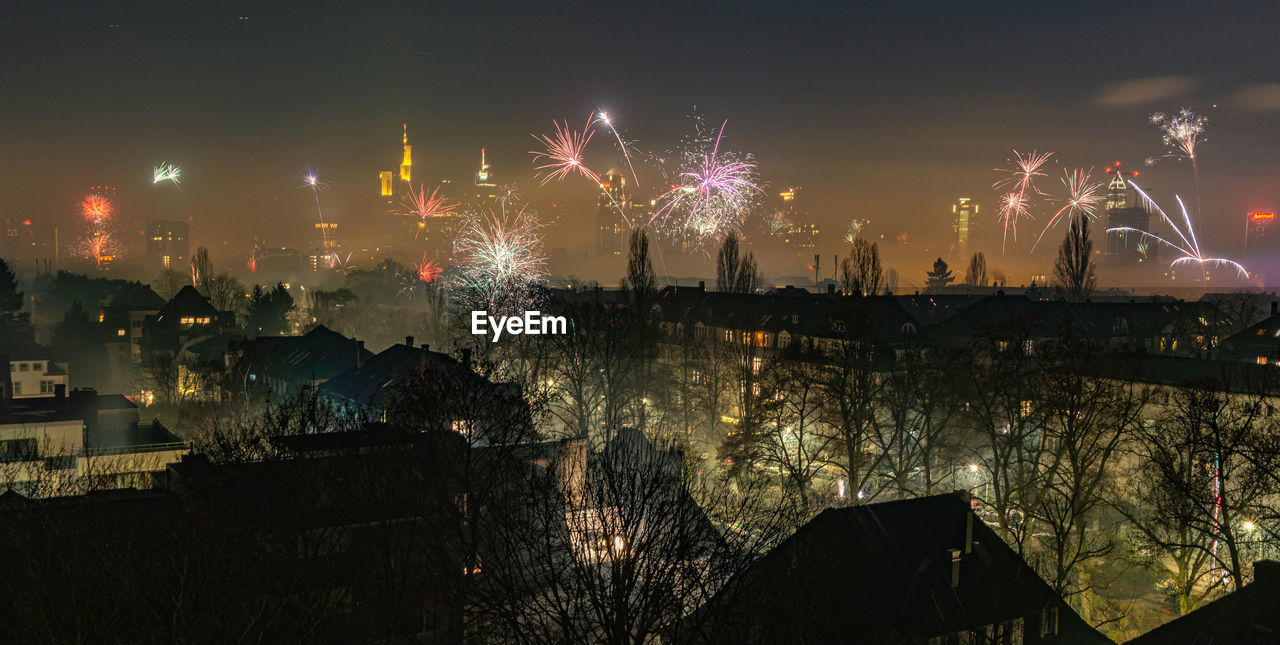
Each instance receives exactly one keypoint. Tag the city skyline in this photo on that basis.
(883, 129)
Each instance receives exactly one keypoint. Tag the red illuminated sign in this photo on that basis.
(1262, 216)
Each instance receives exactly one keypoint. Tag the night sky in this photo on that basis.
(885, 110)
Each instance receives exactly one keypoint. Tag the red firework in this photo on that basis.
(563, 153)
(96, 208)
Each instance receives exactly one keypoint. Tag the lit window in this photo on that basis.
(1262, 360)
(756, 364)
(119, 332)
(1026, 409)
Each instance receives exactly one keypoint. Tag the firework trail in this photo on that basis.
(603, 117)
(1083, 195)
(500, 255)
(167, 172)
(562, 156)
(1189, 247)
(312, 181)
(424, 206)
(1020, 182)
(712, 194)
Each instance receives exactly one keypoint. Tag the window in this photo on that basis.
(1002, 346)
(756, 364)
(1049, 621)
(1029, 347)
(1026, 409)
(17, 388)
(728, 336)
(784, 339)
(119, 332)
(24, 367)
(1262, 360)
(17, 449)
(46, 387)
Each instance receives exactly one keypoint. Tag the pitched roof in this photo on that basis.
(367, 385)
(892, 565)
(187, 302)
(1245, 616)
(319, 354)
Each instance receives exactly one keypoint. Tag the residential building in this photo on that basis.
(924, 570)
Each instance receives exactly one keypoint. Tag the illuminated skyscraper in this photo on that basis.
(387, 182)
(486, 186)
(1126, 248)
(167, 243)
(801, 234)
(964, 223)
(1262, 239)
(406, 164)
(611, 208)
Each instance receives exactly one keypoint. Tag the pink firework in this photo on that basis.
(713, 195)
(562, 153)
(1081, 200)
(1012, 206)
(1021, 178)
(1020, 183)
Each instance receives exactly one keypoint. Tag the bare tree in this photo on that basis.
(1088, 422)
(1205, 474)
(976, 275)
(860, 273)
(1074, 269)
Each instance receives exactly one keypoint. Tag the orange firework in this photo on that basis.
(96, 208)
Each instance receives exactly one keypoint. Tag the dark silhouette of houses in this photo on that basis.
(282, 366)
(1250, 615)
(1260, 343)
(186, 318)
(924, 571)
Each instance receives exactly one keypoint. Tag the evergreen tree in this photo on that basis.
(13, 323)
(269, 310)
(939, 277)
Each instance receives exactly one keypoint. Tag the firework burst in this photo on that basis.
(167, 172)
(96, 208)
(712, 193)
(1182, 132)
(425, 207)
(1083, 195)
(98, 243)
(1186, 243)
(500, 255)
(854, 229)
(562, 154)
(1020, 184)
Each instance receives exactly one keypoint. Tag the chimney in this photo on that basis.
(426, 347)
(955, 566)
(1263, 589)
(359, 354)
(967, 497)
(408, 340)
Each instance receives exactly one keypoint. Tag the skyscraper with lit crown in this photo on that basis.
(406, 164)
